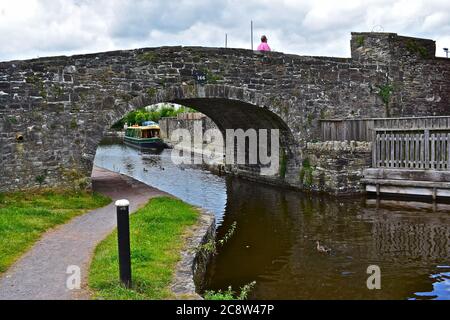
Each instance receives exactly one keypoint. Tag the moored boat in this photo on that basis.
(147, 136)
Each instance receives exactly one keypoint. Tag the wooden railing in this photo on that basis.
(411, 148)
(362, 129)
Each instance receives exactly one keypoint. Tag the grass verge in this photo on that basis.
(157, 237)
(24, 217)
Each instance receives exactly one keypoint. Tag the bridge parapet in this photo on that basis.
(390, 47)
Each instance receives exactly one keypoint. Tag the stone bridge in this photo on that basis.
(54, 111)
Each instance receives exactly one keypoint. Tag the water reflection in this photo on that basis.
(275, 245)
(276, 233)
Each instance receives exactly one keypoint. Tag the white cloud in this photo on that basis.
(30, 28)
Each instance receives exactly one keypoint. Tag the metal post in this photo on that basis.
(123, 237)
(226, 40)
(251, 32)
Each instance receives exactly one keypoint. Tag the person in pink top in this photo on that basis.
(264, 46)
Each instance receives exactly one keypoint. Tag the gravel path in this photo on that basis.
(41, 273)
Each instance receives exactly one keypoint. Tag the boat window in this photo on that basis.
(145, 134)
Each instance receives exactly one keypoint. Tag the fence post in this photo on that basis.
(374, 149)
(123, 239)
(426, 138)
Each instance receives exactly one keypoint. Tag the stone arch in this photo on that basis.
(227, 106)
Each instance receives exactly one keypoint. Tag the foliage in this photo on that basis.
(306, 173)
(228, 235)
(414, 47)
(385, 92)
(360, 41)
(211, 78)
(151, 92)
(324, 114)
(310, 119)
(77, 180)
(149, 57)
(229, 294)
(154, 113)
(57, 91)
(73, 124)
(283, 163)
(211, 246)
(157, 237)
(40, 179)
(25, 216)
(12, 120)
(38, 84)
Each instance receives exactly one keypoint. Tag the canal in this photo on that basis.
(275, 239)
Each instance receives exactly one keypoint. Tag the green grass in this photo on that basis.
(24, 217)
(157, 237)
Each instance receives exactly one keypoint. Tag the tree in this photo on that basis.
(153, 113)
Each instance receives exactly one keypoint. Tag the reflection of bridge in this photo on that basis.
(410, 156)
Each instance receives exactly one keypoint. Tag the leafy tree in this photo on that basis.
(153, 113)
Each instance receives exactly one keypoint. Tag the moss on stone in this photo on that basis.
(310, 119)
(38, 84)
(306, 173)
(57, 91)
(283, 163)
(73, 124)
(11, 120)
(211, 77)
(149, 57)
(76, 179)
(33, 79)
(105, 75)
(360, 41)
(324, 114)
(151, 93)
(414, 47)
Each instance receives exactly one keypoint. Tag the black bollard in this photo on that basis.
(123, 237)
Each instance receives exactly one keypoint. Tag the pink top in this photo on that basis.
(264, 47)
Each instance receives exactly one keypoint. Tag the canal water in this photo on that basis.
(275, 239)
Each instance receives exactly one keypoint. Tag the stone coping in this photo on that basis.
(191, 269)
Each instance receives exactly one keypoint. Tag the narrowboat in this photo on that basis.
(147, 136)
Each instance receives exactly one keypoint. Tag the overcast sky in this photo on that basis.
(32, 28)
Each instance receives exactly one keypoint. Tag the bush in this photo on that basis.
(155, 113)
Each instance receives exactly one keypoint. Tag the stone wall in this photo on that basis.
(169, 125)
(413, 72)
(54, 111)
(335, 167)
(190, 271)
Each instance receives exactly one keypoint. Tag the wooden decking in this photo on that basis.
(431, 183)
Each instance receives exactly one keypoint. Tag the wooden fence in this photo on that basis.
(362, 129)
(411, 148)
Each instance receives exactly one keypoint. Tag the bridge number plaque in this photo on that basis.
(200, 77)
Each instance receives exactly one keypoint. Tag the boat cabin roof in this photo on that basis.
(152, 127)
